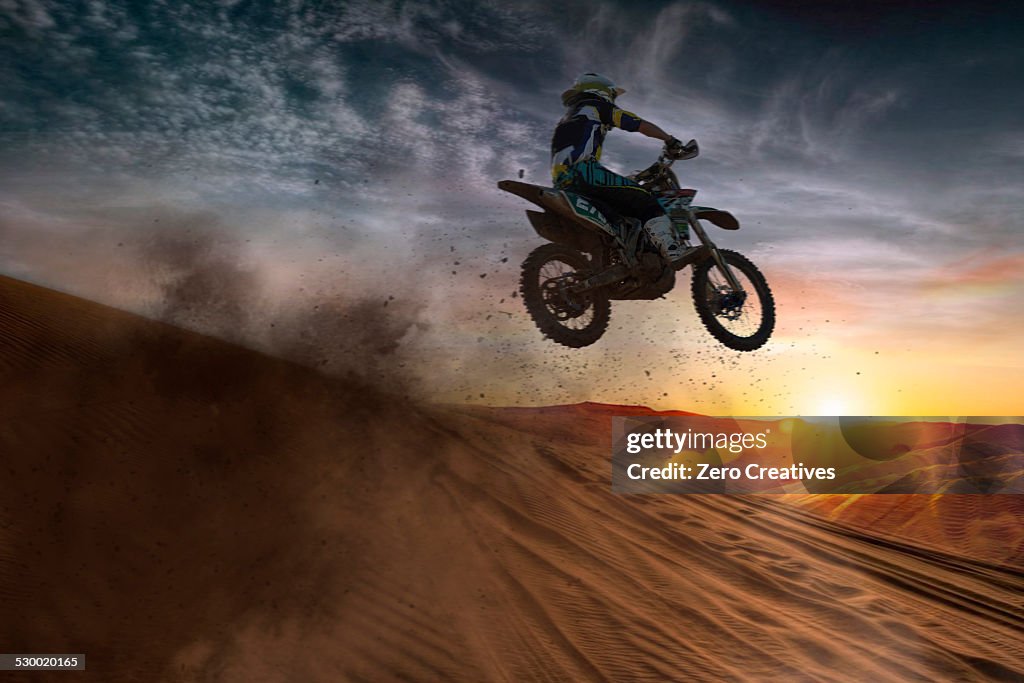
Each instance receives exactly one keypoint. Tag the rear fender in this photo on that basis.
(722, 219)
(554, 228)
(568, 205)
(531, 193)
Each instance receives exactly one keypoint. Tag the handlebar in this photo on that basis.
(688, 151)
(665, 161)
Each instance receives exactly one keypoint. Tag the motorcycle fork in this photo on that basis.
(698, 229)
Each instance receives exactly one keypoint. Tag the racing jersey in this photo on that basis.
(580, 133)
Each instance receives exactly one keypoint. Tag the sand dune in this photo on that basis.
(986, 528)
(181, 509)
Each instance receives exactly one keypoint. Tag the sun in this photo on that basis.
(832, 405)
(833, 397)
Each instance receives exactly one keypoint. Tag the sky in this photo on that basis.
(317, 180)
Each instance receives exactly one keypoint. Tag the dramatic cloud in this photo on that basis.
(873, 157)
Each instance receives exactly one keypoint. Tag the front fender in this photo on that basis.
(722, 219)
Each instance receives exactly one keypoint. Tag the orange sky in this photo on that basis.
(946, 346)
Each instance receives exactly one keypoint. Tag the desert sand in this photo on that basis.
(181, 509)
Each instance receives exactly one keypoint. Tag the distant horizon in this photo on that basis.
(903, 419)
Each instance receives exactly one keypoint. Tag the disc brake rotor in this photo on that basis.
(560, 300)
(727, 303)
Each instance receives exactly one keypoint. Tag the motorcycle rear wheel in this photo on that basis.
(726, 316)
(573, 320)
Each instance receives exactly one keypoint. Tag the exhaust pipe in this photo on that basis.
(602, 279)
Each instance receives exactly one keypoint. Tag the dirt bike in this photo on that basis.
(596, 256)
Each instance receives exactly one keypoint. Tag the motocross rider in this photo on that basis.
(576, 152)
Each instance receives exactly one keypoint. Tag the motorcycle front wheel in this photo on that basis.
(573, 320)
(742, 321)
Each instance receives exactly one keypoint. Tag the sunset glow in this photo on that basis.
(344, 178)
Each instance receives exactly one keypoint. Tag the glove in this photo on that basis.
(674, 148)
(678, 150)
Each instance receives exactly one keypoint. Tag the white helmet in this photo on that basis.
(595, 84)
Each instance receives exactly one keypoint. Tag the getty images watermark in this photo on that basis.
(697, 454)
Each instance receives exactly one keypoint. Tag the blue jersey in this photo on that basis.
(580, 134)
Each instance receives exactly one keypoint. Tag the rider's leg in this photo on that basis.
(663, 234)
(629, 199)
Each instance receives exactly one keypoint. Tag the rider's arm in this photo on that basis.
(652, 131)
(629, 121)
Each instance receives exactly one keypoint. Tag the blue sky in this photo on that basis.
(325, 152)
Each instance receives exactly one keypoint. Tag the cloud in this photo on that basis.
(374, 133)
(31, 16)
(979, 268)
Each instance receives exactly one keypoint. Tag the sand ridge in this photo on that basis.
(182, 509)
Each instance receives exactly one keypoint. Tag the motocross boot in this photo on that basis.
(664, 237)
